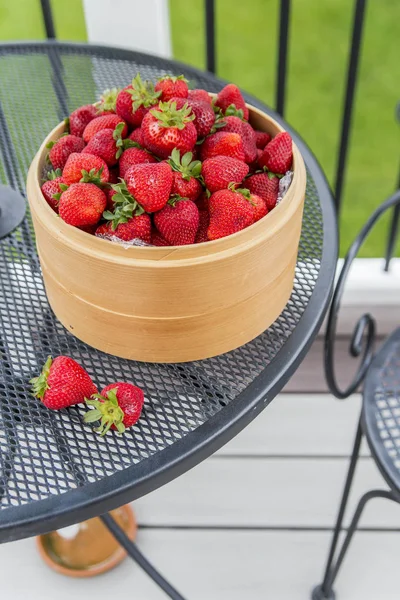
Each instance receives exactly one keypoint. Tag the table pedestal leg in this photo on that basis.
(12, 210)
(138, 557)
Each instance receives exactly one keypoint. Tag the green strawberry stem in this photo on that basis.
(108, 100)
(125, 206)
(186, 166)
(169, 116)
(143, 94)
(63, 187)
(107, 410)
(232, 111)
(39, 384)
(175, 198)
(93, 176)
(173, 78)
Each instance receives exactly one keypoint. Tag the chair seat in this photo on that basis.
(381, 410)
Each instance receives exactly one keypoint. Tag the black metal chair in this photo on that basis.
(380, 415)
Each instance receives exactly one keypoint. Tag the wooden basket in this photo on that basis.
(170, 304)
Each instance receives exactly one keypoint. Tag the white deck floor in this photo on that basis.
(251, 523)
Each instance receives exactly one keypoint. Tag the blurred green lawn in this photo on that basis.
(246, 54)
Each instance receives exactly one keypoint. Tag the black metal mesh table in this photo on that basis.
(53, 469)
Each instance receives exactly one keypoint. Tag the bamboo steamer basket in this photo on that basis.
(170, 304)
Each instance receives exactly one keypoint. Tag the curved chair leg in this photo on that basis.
(319, 593)
(138, 557)
(325, 591)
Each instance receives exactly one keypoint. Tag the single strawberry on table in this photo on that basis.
(134, 156)
(80, 117)
(51, 188)
(62, 383)
(82, 204)
(150, 185)
(265, 185)
(231, 95)
(186, 172)
(178, 221)
(230, 212)
(222, 144)
(118, 406)
(167, 127)
(85, 168)
(277, 155)
(218, 172)
(104, 122)
(135, 100)
(170, 86)
(62, 148)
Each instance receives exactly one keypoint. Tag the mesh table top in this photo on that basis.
(53, 469)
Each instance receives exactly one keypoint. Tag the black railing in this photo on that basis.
(281, 80)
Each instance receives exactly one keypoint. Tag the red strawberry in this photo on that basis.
(150, 185)
(278, 154)
(229, 95)
(224, 144)
(137, 136)
(259, 207)
(51, 188)
(110, 193)
(167, 127)
(220, 171)
(229, 212)
(108, 144)
(107, 102)
(200, 96)
(203, 112)
(134, 156)
(82, 204)
(262, 139)
(86, 168)
(117, 407)
(204, 222)
(104, 122)
(157, 239)
(113, 175)
(134, 101)
(178, 221)
(203, 202)
(136, 227)
(264, 185)
(80, 117)
(62, 382)
(171, 86)
(186, 172)
(90, 229)
(234, 124)
(62, 148)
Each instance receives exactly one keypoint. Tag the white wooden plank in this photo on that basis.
(218, 565)
(301, 424)
(131, 24)
(265, 492)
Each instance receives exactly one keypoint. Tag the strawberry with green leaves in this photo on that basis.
(230, 212)
(218, 172)
(277, 155)
(51, 188)
(104, 122)
(118, 407)
(127, 220)
(231, 95)
(172, 86)
(166, 127)
(81, 204)
(186, 173)
(108, 101)
(222, 144)
(135, 100)
(178, 221)
(81, 117)
(62, 148)
(62, 383)
(85, 168)
(150, 185)
(108, 144)
(265, 185)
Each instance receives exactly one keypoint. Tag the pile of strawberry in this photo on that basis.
(63, 382)
(165, 165)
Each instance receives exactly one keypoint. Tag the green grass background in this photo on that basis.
(319, 43)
